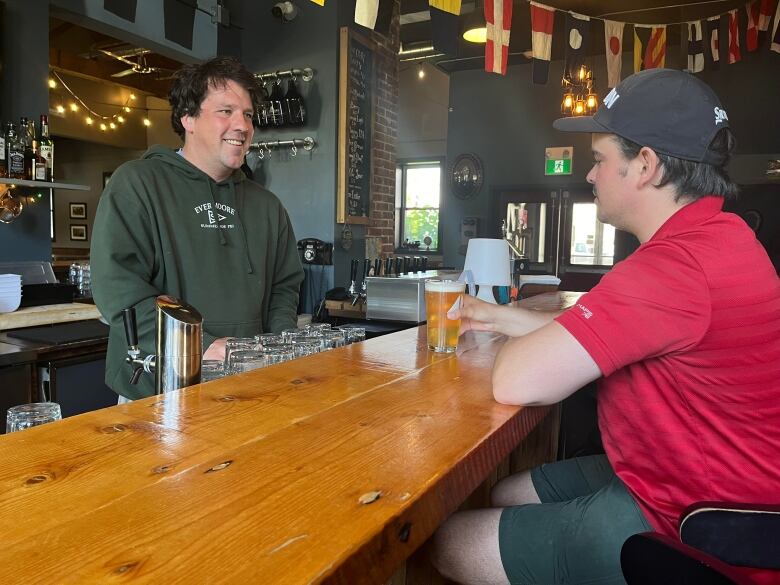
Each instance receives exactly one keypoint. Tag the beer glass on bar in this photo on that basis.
(440, 296)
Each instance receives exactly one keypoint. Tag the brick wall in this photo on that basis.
(385, 135)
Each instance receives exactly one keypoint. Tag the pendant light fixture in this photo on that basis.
(579, 99)
(475, 29)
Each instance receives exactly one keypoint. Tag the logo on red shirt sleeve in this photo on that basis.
(586, 312)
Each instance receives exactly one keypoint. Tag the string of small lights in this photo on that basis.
(93, 118)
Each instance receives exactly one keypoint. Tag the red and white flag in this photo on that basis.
(498, 16)
(775, 46)
(695, 47)
(613, 39)
(542, 18)
(765, 14)
(713, 34)
(734, 52)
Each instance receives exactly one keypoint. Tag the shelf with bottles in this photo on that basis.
(43, 184)
(278, 109)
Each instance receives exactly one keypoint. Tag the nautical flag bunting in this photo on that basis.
(577, 42)
(375, 14)
(613, 41)
(713, 36)
(734, 53)
(649, 47)
(542, 18)
(451, 6)
(695, 47)
(498, 17)
(320, 2)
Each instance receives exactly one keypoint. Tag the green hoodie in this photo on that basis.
(163, 226)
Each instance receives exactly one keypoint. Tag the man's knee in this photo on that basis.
(515, 490)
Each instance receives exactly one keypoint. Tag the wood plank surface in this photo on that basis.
(258, 478)
(48, 315)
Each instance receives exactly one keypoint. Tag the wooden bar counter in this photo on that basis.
(265, 477)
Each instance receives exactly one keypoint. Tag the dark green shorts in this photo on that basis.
(574, 536)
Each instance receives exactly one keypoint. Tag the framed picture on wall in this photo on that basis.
(78, 211)
(78, 231)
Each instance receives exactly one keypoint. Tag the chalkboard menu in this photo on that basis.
(356, 98)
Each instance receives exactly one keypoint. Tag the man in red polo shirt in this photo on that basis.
(684, 337)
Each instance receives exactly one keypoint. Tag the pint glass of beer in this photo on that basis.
(440, 296)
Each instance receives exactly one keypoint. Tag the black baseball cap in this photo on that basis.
(670, 111)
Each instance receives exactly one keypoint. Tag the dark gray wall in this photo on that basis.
(507, 122)
(306, 184)
(25, 93)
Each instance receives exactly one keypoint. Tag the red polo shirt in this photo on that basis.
(686, 332)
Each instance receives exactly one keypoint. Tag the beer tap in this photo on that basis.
(377, 265)
(398, 263)
(366, 270)
(416, 264)
(424, 264)
(388, 263)
(178, 342)
(353, 292)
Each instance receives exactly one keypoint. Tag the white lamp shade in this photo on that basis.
(488, 261)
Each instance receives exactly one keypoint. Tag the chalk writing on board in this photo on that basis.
(359, 116)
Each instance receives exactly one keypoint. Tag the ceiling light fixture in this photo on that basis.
(579, 99)
(475, 29)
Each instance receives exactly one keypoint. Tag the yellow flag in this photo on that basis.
(451, 6)
(320, 2)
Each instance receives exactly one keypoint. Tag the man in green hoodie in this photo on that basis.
(188, 223)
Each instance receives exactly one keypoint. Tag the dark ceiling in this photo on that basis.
(418, 34)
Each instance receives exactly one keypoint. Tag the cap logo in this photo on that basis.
(612, 97)
(720, 116)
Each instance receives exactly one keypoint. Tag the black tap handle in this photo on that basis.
(387, 266)
(136, 374)
(425, 263)
(377, 264)
(131, 330)
(416, 264)
(353, 266)
(398, 262)
(406, 264)
(366, 267)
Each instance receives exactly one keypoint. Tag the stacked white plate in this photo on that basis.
(10, 292)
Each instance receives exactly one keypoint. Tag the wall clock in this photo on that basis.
(466, 176)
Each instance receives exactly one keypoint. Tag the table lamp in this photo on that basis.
(488, 261)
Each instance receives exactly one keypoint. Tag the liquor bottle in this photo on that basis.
(27, 147)
(3, 153)
(46, 147)
(34, 163)
(15, 150)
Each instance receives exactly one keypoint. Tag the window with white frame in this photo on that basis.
(418, 194)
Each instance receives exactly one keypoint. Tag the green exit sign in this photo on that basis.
(557, 161)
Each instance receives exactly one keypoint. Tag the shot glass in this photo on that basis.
(440, 297)
(237, 344)
(278, 354)
(306, 346)
(246, 360)
(333, 339)
(25, 416)
(353, 333)
(317, 328)
(269, 339)
(212, 370)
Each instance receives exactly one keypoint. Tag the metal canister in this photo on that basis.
(179, 338)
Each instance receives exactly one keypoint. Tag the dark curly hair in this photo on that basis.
(192, 83)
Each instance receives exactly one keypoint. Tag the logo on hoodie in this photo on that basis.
(214, 215)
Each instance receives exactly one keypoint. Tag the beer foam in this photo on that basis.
(445, 286)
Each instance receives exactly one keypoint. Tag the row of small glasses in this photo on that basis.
(243, 354)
